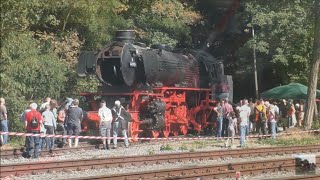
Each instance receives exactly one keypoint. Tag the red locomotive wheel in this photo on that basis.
(155, 134)
(130, 132)
(166, 133)
(184, 129)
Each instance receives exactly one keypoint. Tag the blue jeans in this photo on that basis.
(4, 128)
(42, 143)
(243, 135)
(50, 140)
(231, 133)
(219, 126)
(247, 129)
(115, 134)
(33, 146)
(273, 129)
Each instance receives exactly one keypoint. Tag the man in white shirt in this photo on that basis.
(244, 117)
(105, 123)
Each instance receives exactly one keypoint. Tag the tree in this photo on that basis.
(162, 21)
(284, 44)
(28, 72)
(314, 72)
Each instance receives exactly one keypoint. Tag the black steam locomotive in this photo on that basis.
(129, 65)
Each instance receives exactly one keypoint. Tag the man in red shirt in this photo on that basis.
(33, 121)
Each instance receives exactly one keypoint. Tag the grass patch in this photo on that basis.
(151, 151)
(183, 147)
(200, 144)
(166, 147)
(316, 124)
(292, 141)
(15, 142)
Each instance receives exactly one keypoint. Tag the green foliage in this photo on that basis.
(165, 21)
(28, 73)
(291, 141)
(284, 39)
(316, 123)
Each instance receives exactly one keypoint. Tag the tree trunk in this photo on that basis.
(313, 77)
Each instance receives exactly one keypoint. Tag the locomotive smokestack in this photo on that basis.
(125, 36)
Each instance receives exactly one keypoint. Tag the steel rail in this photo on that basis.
(18, 152)
(227, 170)
(40, 167)
(308, 177)
(15, 153)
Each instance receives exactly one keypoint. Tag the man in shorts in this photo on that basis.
(105, 123)
(73, 121)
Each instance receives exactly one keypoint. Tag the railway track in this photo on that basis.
(18, 152)
(307, 177)
(43, 167)
(227, 170)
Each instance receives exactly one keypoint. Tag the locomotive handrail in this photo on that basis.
(182, 88)
(120, 94)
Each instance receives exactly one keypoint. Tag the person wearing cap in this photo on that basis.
(4, 121)
(68, 103)
(105, 123)
(74, 116)
(33, 121)
(120, 122)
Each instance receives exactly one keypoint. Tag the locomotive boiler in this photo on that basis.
(167, 91)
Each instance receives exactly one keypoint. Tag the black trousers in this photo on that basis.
(261, 127)
(224, 132)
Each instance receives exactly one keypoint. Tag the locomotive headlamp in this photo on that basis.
(133, 64)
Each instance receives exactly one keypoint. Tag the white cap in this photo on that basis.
(34, 106)
(267, 103)
(117, 103)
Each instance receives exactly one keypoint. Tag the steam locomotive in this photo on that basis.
(167, 91)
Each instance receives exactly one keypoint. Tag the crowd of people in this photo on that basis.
(246, 117)
(259, 117)
(52, 119)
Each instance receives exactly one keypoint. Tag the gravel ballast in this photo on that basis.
(128, 169)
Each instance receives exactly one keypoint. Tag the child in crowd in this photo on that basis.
(232, 125)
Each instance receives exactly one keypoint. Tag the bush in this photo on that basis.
(29, 72)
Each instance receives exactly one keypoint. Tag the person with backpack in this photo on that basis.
(120, 122)
(261, 117)
(33, 121)
(105, 123)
